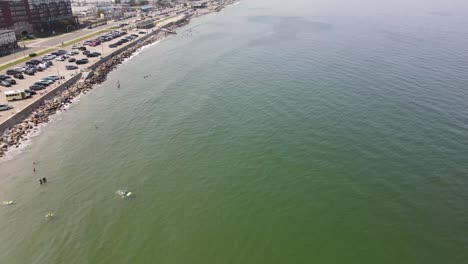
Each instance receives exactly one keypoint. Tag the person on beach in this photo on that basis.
(40, 181)
(44, 180)
(34, 169)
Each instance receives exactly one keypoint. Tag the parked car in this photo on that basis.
(82, 48)
(5, 83)
(71, 67)
(35, 87)
(33, 62)
(50, 63)
(19, 76)
(20, 69)
(72, 60)
(11, 81)
(46, 81)
(92, 55)
(82, 61)
(4, 77)
(12, 72)
(48, 57)
(45, 84)
(29, 72)
(86, 52)
(30, 92)
(60, 58)
(59, 52)
(53, 77)
(4, 107)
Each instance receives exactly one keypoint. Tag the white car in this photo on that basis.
(48, 57)
(55, 77)
(42, 65)
(20, 69)
(4, 107)
(60, 58)
(46, 80)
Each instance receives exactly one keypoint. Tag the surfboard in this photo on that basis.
(7, 202)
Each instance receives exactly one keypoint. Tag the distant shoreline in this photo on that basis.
(19, 126)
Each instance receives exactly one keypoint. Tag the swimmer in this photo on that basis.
(48, 215)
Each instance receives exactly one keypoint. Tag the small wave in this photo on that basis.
(36, 131)
(138, 51)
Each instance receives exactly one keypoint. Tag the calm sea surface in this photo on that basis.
(271, 132)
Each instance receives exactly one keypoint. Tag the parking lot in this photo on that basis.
(59, 68)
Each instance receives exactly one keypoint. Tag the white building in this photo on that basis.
(7, 40)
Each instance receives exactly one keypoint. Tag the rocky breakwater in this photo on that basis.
(13, 136)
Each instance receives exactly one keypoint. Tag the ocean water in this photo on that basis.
(271, 132)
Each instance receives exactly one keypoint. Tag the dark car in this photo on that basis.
(31, 92)
(35, 87)
(86, 52)
(112, 46)
(11, 81)
(82, 61)
(4, 77)
(19, 76)
(94, 54)
(5, 83)
(12, 72)
(45, 84)
(33, 62)
(71, 67)
(72, 60)
(82, 48)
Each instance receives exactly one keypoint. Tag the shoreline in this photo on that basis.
(58, 99)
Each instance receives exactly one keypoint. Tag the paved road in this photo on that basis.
(41, 44)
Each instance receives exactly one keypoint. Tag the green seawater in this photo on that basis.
(271, 132)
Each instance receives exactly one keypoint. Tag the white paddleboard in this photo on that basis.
(7, 202)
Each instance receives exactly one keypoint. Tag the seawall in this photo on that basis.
(25, 112)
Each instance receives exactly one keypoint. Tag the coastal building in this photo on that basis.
(51, 15)
(7, 41)
(26, 16)
(14, 15)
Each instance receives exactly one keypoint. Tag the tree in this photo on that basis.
(132, 3)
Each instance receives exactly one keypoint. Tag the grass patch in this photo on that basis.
(87, 36)
(24, 59)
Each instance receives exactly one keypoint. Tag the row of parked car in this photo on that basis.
(124, 40)
(43, 83)
(104, 38)
(6, 80)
